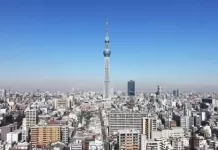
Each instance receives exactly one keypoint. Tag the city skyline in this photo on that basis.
(172, 44)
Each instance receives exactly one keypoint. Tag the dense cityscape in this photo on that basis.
(129, 120)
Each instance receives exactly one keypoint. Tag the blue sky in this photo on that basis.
(57, 45)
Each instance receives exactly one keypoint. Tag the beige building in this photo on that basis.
(129, 139)
(149, 125)
(45, 135)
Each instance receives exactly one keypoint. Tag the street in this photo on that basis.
(103, 131)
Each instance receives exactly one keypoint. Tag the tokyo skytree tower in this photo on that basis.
(107, 54)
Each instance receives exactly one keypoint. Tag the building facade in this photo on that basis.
(14, 136)
(154, 144)
(119, 120)
(7, 129)
(64, 134)
(45, 135)
(149, 125)
(131, 88)
(128, 139)
(31, 117)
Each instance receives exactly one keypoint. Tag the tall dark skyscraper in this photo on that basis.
(176, 93)
(159, 90)
(131, 88)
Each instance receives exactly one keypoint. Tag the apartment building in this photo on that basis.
(149, 125)
(31, 117)
(128, 139)
(45, 135)
(119, 120)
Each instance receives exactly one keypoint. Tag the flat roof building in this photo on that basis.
(119, 120)
(45, 135)
(128, 139)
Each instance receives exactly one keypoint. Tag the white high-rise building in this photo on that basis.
(203, 116)
(31, 117)
(149, 125)
(25, 130)
(184, 122)
(64, 134)
(14, 136)
(107, 54)
(3, 93)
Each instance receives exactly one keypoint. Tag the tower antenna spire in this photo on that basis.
(107, 27)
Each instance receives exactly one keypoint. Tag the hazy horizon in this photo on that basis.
(67, 86)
